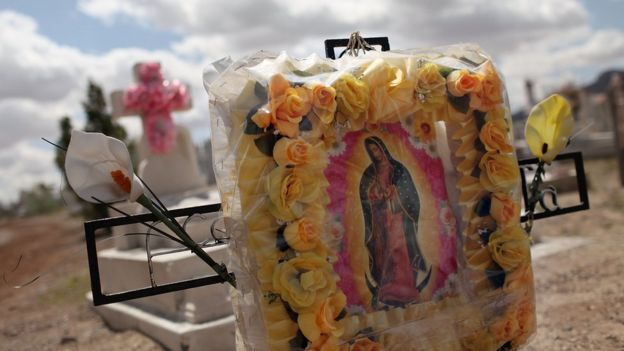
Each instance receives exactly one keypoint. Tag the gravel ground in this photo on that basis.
(580, 298)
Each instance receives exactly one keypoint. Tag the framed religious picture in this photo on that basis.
(389, 206)
(374, 202)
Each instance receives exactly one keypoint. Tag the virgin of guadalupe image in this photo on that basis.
(391, 207)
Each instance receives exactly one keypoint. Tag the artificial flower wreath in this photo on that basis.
(376, 202)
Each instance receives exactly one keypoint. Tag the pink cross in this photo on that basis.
(154, 99)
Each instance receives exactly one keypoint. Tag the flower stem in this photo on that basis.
(188, 241)
(534, 194)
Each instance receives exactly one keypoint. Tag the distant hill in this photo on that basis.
(601, 84)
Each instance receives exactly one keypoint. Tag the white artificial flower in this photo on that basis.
(98, 166)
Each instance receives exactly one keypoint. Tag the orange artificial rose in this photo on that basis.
(504, 209)
(499, 172)
(517, 324)
(288, 105)
(302, 234)
(324, 102)
(462, 81)
(322, 320)
(291, 152)
(525, 314)
(491, 93)
(505, 328)
(495, 136)
(262, 118)
(365, 344)
(304, 281)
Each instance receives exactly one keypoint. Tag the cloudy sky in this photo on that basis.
(49, 49)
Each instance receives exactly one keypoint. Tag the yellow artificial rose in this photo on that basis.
(548, 127)
(291, 152)
(510, 247)
(304, 281)
(424, 128)
(491, 93)
(289, 189)
(430, 87)
(302, 234)
(495, 136)
(391, 93)
(265, 274)
(499, 172)
(504, 209)
(496, 113)
(352, 96)
(462, 81)
(325, 343)
(365, 344)
(322, 320)
(329, 136)
(324, 102)
(288, 105)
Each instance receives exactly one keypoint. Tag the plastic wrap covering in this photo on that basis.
(375, 202)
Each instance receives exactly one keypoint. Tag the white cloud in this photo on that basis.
(42, 81)
(281, 24)
(549, 41)
(24, 119)
(33, 65)
(553, 64)
(528, 38)
(24, 165)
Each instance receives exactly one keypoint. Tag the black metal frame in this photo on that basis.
(99, 298)
(581, 186)
(331, 44)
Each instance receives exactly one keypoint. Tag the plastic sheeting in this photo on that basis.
(375, 202)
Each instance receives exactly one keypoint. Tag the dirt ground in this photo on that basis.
(580, 292)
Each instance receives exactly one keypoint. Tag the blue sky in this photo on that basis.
(63, 22)
(605, 13)
(49, 50)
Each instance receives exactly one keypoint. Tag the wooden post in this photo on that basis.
(616, 102)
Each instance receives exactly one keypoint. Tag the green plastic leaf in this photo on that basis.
(301, 73)
(266, 142)
(305, 125)
(251, 127)
(461, 104)
(260, 91)
(445, 71)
